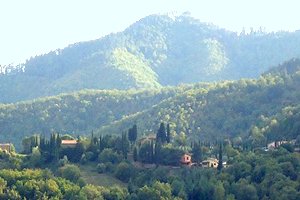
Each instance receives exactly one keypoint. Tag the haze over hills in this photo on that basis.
(156, 51)
(253, 109)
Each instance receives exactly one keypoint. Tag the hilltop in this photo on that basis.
(154, 52)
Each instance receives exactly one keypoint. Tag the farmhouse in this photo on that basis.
(68, 143)
(210, 162)
(6, 147)
(276, 144)
(186, 159)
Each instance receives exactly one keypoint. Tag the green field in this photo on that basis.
(91, 176)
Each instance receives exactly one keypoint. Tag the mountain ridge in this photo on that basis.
(153, 52)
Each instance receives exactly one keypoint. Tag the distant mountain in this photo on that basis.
(247, 108)
(156, 51)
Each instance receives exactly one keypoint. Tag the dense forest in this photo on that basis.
(256, 109)
(156, 51)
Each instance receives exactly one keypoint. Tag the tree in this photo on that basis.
(132, 134)
(161, 133)
(245, 191)
(157, 152)
(70, 172)
(35, 157)
(135, 154)
(157, 191)
(197, 152)
(168, 133)
(220, 163)
(77, 152)
(146, 152)
(108, 155)
(219, 192)
(124, 145)
(124, 171)
(90, 192)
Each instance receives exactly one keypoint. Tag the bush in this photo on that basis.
(108, 155)
(70, 172)
(124, 171)
(90, 156)
(109, 167)
(101, 168)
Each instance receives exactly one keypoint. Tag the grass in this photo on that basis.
(91, 176)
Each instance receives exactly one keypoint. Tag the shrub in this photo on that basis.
(101, 168)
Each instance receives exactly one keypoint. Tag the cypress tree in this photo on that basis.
(135, 154)
(132, 134)
(157, 152)
(220, 163)
(161, 133)
(125, 145)
(197, 152)
(134, 130)
(168, 133)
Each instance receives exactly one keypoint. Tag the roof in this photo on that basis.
(210, 160)
(5, 144)
(69, 142)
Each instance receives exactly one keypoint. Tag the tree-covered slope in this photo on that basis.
(76, 113)
(207, 110)
(156, 51)
(226, 109)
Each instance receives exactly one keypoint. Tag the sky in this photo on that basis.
(33, 27)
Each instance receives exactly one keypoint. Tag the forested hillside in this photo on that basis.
(156, 51)
(248, 108)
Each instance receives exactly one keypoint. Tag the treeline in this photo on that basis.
(108, 148)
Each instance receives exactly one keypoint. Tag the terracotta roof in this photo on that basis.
(69, 142)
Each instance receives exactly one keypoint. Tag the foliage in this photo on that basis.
(70, 172)
(157, 50)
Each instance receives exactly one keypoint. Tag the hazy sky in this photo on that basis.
(32, 27)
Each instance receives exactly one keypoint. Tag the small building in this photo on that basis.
(186, 159)
(6, 147)
(276, 144)
(210, 162)
(148, 138)
(68, 143)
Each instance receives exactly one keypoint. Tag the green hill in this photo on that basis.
(204, 111)
(227, 109)
(156, 51)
